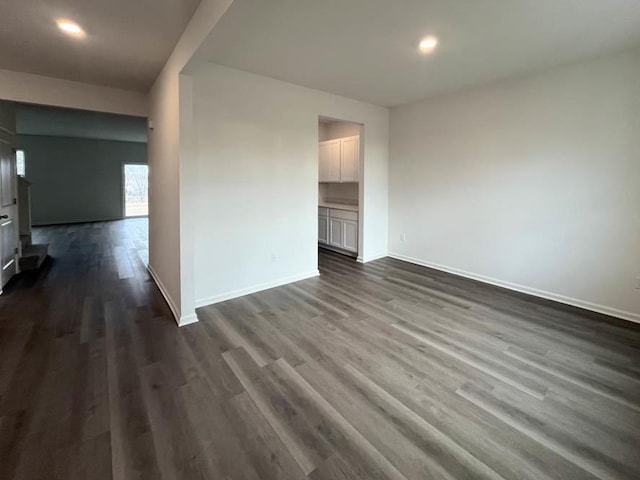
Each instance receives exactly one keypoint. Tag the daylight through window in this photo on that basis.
(136, 190)
(21, 167)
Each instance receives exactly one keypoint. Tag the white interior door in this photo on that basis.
(8, 214)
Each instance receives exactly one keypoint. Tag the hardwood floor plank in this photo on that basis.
(587, 459)
(211, 424)
(482, 363)
(378, 428)
(304, 445)
(582, 380)
(346, 436)
(268, 454)
(178, 453)
(455, 459)
(337, 468)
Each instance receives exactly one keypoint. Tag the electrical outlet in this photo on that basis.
(403, 237)
(274, 258)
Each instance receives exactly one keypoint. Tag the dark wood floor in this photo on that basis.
(384, 370)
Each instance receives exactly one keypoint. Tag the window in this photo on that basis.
(21, 166)
(136, 190)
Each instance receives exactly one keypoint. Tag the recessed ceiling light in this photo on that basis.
(70, 28)
(428, 44)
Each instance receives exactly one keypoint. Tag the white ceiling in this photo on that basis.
(127, 42)
(367, 49)
(66, 122)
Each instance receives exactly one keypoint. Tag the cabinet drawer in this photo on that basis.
(323, 211)
(343, 214)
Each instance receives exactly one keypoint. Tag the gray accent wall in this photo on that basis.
(77, 179)
(67, 122)
(7, 119)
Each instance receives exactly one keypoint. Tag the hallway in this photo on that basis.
(65, 333)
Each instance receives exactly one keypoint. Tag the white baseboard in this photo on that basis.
(188, 320)
(78, 220)
(331, 248)
(168, 299)
(370, 258)
(203, 302)
(594, 307)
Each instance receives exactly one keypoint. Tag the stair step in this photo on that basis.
(33, 256)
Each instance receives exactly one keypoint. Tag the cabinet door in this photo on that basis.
(323, 229)
(349, 159)
(336, 236)
(329, 161)
(350, 235)
(334, 163)
(323, 161)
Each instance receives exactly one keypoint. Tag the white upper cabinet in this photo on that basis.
(330, 161)
(339, 160)
(349, 159)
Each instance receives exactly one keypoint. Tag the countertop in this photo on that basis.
(339, 206)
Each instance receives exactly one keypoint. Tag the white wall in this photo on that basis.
(257, 180)
(169, 258)
(532, 183)
(164, 191)
(29, 88)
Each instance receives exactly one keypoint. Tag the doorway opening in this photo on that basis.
(136, 189)
(340, 166)
(62, 172)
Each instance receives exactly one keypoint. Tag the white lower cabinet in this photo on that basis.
(338, 228)
(335, 232)
(323, 229)
(350, 235)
